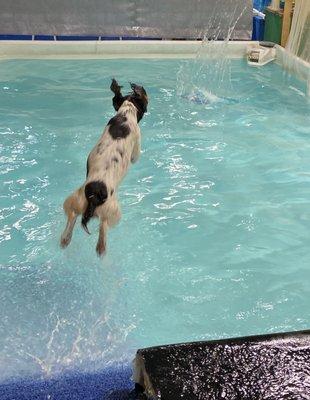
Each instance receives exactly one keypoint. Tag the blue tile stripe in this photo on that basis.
(83, 37)
(72, 37)
(76, 37)
(139, 38)
(42, 37)
(15, 37)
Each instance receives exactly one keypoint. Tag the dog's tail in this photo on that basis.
(96, 194)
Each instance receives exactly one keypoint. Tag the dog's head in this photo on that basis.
(138, 97)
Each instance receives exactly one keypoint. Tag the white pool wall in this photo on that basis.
(293, 63)
(10, 49)
(111, 49)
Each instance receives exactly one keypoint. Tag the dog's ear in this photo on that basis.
(140, 95)
(139, 99)
(139, 91)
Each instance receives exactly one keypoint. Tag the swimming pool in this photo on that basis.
(214, 236)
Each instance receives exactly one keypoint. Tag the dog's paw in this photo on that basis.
(64, 241)
(100, 249)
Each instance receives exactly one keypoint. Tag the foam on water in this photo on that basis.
(215, 230)
(199, 96)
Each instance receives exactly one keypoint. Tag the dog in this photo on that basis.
(107, 164)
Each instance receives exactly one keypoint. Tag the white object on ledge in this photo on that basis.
(261, 55)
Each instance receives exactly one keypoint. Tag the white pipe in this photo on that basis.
(259, 13)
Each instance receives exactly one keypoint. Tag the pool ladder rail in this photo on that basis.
(262, 55)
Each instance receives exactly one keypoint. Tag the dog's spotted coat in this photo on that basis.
(107, 164)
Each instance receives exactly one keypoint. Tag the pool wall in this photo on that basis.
(293, 64)
(10, 49)
(111, 49)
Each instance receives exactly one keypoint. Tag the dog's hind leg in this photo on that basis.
(102, 240)
(136, 150)
(113, 212)
(73, 206)
(67, 233)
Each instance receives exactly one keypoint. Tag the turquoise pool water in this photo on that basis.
(214, 239)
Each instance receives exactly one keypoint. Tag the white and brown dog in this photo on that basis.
(107, 165)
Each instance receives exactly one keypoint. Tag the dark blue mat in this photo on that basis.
(108, 384)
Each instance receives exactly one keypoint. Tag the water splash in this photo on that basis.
(207, 79)
(299, 39)
(298, 44)
(205, 97)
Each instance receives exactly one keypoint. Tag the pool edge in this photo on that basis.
(24, 49)
(137, 49)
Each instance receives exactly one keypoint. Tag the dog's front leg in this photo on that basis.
(102, 240)
(118, 98)
(136, 151)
